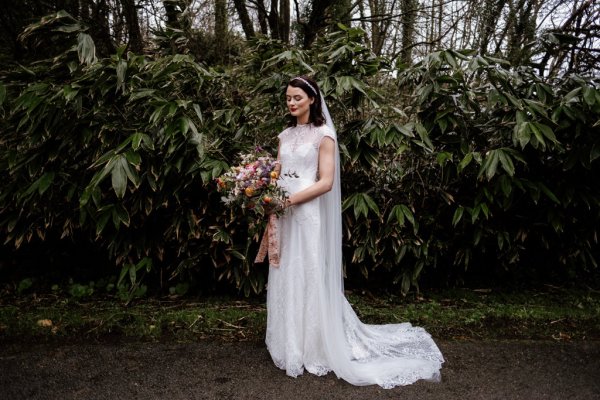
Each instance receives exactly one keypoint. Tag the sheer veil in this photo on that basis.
(387, 355)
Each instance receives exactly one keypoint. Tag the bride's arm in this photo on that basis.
(278, 166)
(326, 172)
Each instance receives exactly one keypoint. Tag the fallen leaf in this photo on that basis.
(561, 336)
(44, 323)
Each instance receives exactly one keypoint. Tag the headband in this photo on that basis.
(308, 84)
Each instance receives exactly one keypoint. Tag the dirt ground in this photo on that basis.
(243, 370)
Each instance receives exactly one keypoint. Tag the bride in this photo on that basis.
(310, 324)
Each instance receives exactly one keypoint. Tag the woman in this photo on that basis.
(310, 324)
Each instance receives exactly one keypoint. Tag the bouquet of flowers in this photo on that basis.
(252, 184)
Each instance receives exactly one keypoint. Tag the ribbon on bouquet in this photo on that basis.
(269, 243)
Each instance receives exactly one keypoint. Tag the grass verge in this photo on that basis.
(551, 314)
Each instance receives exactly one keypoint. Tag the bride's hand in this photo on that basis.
(275, 205)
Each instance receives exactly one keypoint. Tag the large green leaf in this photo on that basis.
(86, 48)
(119, 176)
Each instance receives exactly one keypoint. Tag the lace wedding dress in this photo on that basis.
(310, 324)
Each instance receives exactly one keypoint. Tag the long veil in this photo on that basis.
(387, 355)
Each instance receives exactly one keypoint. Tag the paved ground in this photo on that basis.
(216, 370)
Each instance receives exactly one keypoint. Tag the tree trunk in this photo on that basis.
(100, 29)
(440, 17)
(135, 42)
(84, 9)
(380, 20)
(341, 11)
(376, 34)
(242, 10)
(317, 20)
(361, 9)
(172, 14)
(274, 19)
(521, 30)
(221, 29)
(492, 10)
(284, 21)
(262, 17)
(408, 20)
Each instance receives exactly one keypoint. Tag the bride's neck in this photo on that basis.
(304, 120)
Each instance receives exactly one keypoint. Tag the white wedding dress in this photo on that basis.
(310, 324)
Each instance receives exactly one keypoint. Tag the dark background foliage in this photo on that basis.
(460, 169)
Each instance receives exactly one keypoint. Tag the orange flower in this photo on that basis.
(274, 175)
(267, 199)
(249, 191)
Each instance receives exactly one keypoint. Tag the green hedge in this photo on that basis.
(459, 161)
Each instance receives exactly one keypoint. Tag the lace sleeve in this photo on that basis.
(283, 133)
(327, 132)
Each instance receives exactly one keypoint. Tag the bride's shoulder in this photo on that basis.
(284, 132)
(325, 130)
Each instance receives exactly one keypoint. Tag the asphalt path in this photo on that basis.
(243, 370)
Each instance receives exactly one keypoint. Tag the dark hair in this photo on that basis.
(309, 86)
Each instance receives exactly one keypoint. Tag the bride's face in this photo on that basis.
(298, 103)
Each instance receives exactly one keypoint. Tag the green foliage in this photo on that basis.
(79, 291)
(24, 284)
(460, 161)
(124, 151)
(497, 166)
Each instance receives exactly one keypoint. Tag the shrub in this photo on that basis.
(488, 171)
(460, 162)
